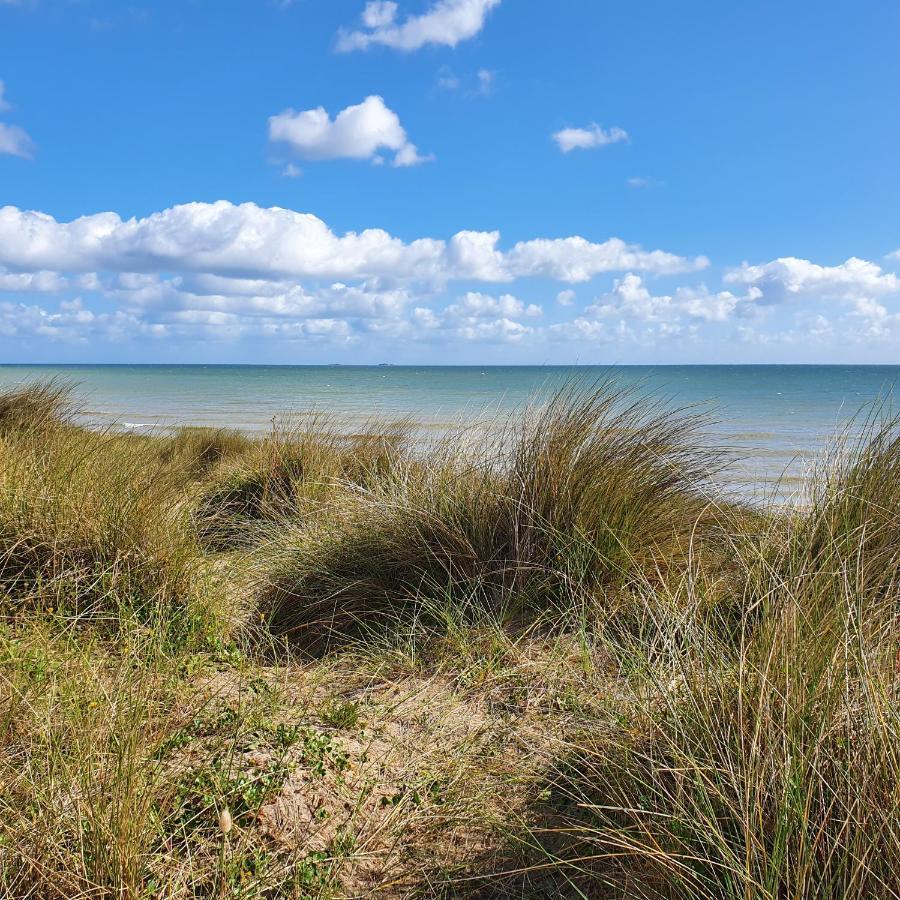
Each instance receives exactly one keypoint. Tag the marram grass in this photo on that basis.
(540, 659)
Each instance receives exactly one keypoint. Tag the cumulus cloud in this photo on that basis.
(631, 298)
(39, 282)
(217, 238)
(248, 241)
(565, 298)
(255, 298)
(446, 22)
(790, 276)
(357, 132)
(569, 139)
(250, 306)
(190, 275)
(470, 329)
(71, 322)
(583, 329)
(862, 286)
(221, 271)
(701, 303)
(575, 259)
(478, 306)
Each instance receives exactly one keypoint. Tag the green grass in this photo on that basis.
(540, 659)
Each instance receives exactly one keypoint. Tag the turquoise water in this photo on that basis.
(775, 417)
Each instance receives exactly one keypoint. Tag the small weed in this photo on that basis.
(342, 714)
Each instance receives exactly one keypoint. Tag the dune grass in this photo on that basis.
(93, 527)
(541, 659)
(522, 523)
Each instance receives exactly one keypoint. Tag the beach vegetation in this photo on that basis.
(549, 656)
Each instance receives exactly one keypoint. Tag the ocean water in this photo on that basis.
(775, 419)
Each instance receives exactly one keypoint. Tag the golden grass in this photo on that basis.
(539, 660)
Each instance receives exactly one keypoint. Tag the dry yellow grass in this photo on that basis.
(326, 666)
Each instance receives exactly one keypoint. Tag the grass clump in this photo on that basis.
(556, 513)
(766, 767)
(34, 407)
(92, 529)
(293, 473)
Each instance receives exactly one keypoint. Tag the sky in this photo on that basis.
(449, 181)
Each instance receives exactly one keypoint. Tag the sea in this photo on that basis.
(773, 421)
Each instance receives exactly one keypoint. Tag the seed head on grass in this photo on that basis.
(225, 821)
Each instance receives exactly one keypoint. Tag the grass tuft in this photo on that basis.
(556, 511)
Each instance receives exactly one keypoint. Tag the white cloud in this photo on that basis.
(479, 306)
(255, 298)
(485, 80)
(700, 303)
(408, 155)
(866, 308)
(357, 132)
(503, 330)
(631, 298)
(216, 238)
(481, 83)
(789, 276)
(379, 13)
(477, 318)
(236, 307)
(575, 259)
(894, 255)
(71, 323)
(469, 329)
(474, 254)
(38, 282)
(447, 23)
(447, 79)
(14, 140)
(569, 139)
(217, 272)
(583, 329)
(247, 241)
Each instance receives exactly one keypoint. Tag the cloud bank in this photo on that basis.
(249, 241)
(214, 272)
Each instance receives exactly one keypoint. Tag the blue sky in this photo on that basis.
(510, 181)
